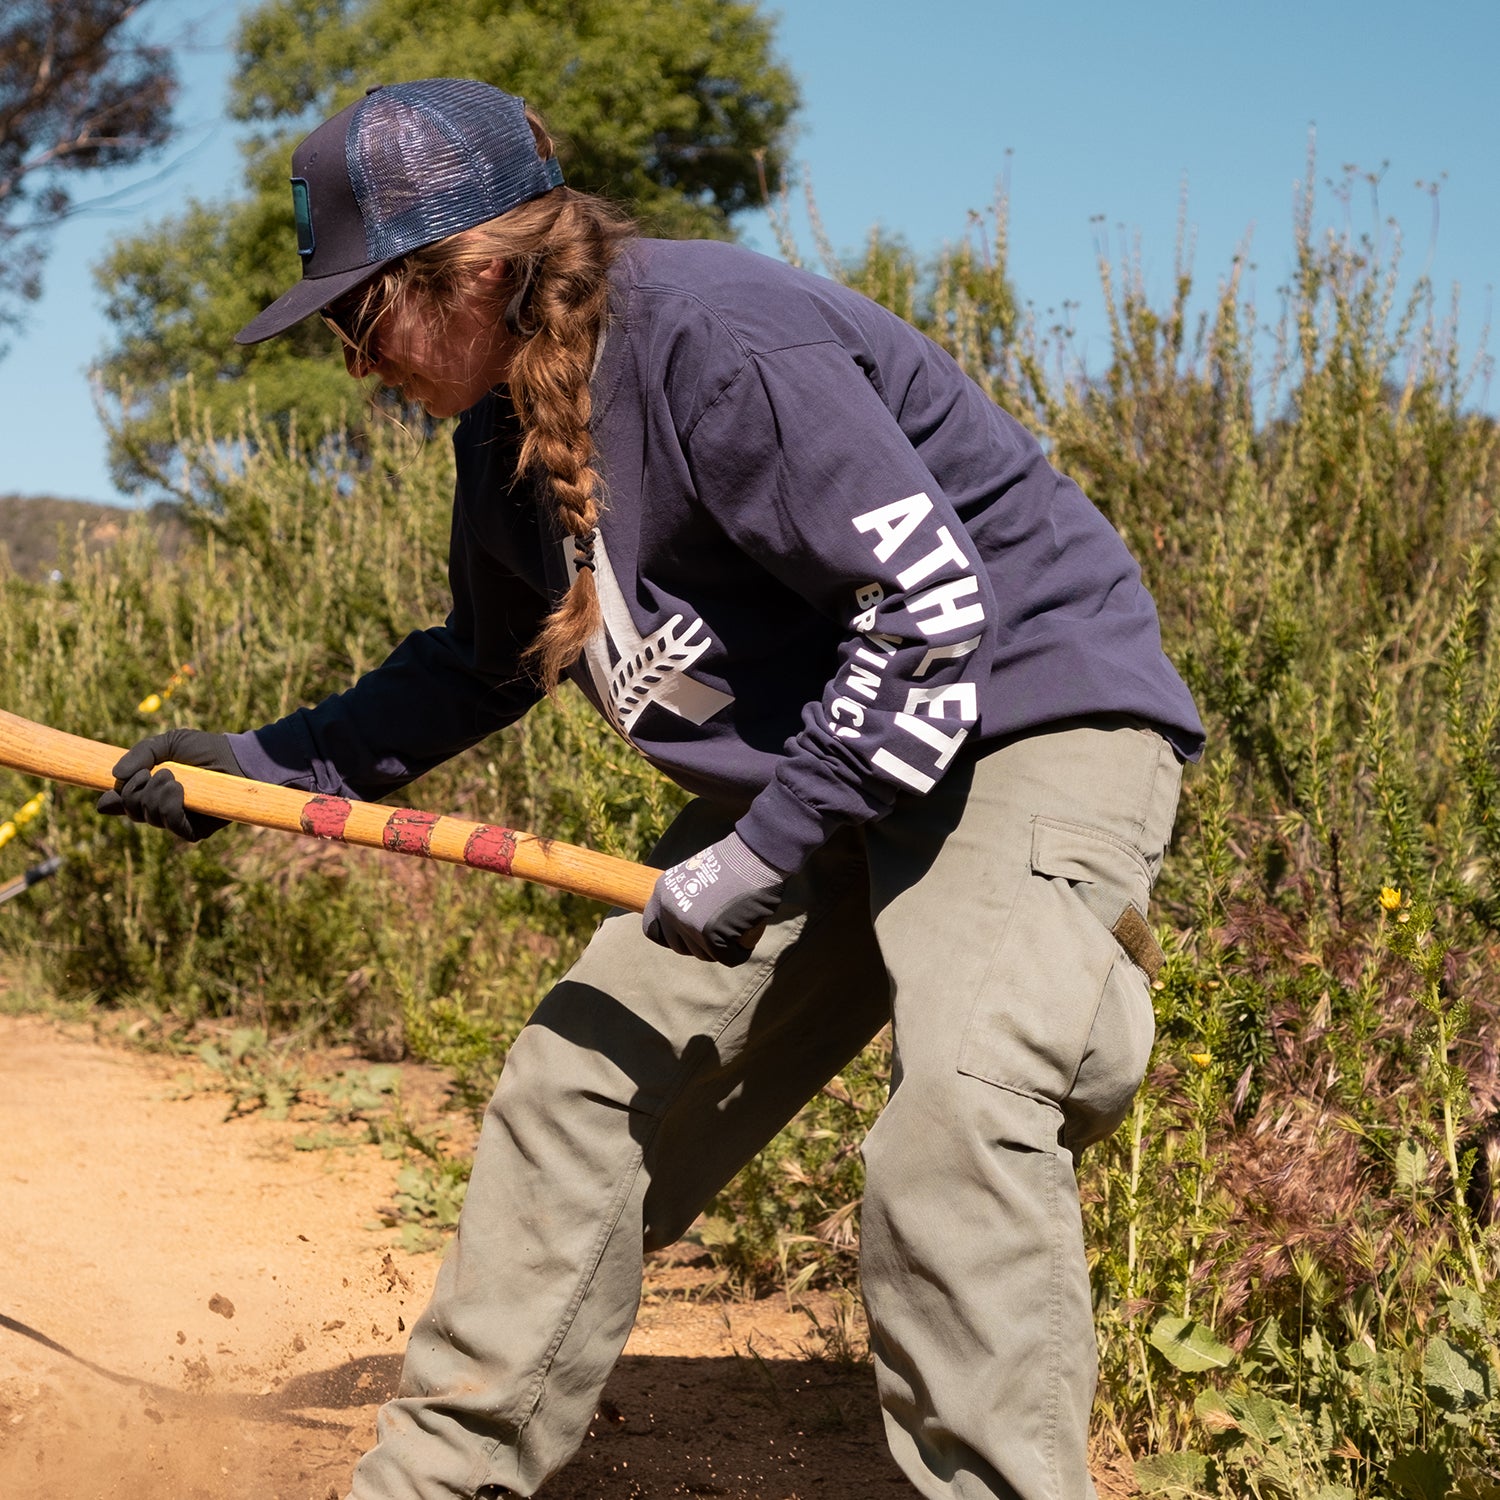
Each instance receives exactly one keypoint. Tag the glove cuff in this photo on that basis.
(224, 758)
(737, 856)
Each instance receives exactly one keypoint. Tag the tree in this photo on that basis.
(676, 108)
(77, 93)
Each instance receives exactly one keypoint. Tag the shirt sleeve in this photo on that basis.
(439, 692)
(807, 469)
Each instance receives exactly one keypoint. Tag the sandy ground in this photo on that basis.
(193, 1309)
(190, 1307)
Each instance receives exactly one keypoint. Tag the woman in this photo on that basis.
(802, 563)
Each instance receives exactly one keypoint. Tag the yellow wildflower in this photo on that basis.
(24, 814)
(152, 702)
(1390, 898)
(1203, 1059)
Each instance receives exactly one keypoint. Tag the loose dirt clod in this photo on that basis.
(394, 1275)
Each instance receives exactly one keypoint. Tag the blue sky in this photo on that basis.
(1097, 115)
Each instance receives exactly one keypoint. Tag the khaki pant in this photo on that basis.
(970, 919)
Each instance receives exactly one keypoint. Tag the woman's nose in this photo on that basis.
(358, 362)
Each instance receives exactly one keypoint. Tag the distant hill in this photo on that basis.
(29, 527)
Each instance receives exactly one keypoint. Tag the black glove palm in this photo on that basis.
(146, 795)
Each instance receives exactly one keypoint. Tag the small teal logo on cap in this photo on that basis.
(302, 211)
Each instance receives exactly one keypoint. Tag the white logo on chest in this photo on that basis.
(646, 669)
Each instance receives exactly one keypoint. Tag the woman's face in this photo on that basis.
(444, 361)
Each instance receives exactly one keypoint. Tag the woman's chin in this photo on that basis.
(445, 404)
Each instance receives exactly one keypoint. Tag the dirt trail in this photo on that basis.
(192, 1309)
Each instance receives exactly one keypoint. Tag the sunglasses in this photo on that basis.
(347, 316)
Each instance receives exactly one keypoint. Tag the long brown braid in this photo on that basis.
(555, 300)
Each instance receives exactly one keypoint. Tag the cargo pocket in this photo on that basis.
(1064, 1014)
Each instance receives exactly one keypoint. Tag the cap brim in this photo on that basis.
(304, 299)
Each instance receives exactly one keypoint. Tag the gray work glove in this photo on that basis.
(146, 795)
(706, 905)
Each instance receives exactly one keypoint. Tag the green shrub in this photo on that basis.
(309, 562)
(1311, 1164)
(1294, 1238)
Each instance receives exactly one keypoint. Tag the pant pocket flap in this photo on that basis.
(1072, 851)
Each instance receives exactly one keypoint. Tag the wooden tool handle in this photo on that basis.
(41, 751)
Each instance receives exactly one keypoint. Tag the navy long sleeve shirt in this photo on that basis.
(827, 562)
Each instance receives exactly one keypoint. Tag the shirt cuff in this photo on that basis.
(783, 831)
(283, 754)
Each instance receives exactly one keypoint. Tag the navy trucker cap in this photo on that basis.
(407, 165)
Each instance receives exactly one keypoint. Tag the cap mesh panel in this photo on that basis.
(427, 166)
